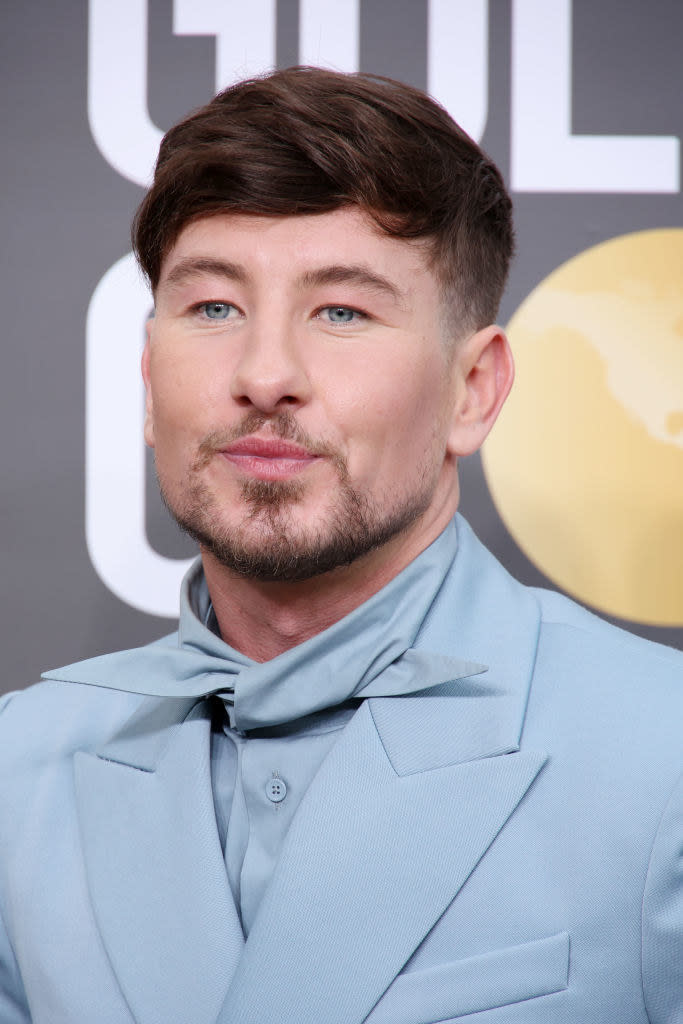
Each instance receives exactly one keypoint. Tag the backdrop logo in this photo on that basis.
(586, 463)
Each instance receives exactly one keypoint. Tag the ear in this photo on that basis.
(146, 376)
(484, 371)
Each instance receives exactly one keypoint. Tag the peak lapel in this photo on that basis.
(155, 868)
(371, 861)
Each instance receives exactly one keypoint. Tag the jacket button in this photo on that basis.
(276, 790)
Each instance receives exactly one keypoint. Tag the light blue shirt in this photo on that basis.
(258, 781)
(284, 716)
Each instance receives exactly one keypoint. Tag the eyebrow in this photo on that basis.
(197, 266)
(352, 274)
(357, 274)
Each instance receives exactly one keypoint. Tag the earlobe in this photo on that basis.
(484, 371)
(146, 376)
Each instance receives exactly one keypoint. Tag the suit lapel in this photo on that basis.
(154, 865)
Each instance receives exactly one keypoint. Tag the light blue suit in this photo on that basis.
(508, 845)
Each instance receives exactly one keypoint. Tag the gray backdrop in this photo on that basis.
(66, 209)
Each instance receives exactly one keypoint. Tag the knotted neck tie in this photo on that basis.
(369, 653)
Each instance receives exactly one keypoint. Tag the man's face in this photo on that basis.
(300, 392)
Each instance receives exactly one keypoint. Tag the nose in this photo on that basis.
(270, 373)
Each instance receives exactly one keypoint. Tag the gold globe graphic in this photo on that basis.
(585, 465)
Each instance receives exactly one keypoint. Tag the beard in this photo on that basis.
(270, 545)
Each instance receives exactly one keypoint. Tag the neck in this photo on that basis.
(264, 619)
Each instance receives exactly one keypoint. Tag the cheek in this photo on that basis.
(186, 395)
(394, 418)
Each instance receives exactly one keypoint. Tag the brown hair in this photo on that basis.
(307, 140)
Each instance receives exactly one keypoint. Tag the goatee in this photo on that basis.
(280, 549)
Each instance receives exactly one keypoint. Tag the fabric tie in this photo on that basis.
(368, 653)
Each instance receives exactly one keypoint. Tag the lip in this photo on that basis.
(268, 458)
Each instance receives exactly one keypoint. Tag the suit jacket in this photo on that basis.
(508, 845)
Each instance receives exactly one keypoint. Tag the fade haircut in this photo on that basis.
(307, 141)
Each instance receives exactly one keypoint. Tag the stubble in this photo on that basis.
(271, 544)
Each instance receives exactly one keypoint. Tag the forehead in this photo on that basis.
(293, 245)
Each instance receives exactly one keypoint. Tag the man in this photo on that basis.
(372, 778)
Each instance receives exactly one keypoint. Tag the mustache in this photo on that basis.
(282, 425)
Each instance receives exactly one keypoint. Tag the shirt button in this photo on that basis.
(276, 790)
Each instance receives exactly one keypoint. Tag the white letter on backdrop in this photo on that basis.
(117, 88)
(457, 60)
(329, 32)
(545, 156)
(117, 68)
(245, 34)
(114, 449)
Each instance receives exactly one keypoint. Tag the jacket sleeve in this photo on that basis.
(663, 918)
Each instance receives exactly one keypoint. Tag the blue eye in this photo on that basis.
(216, 310)
(342, 315)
